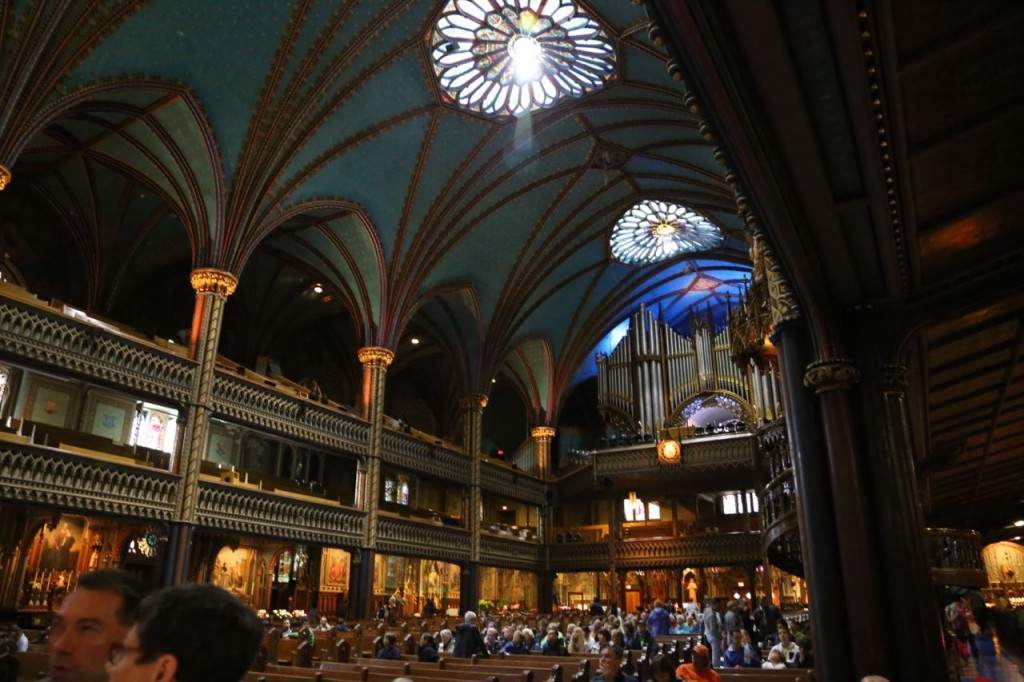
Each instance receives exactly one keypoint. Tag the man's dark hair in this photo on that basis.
(129, 587)
(213, 635)
(617, 650)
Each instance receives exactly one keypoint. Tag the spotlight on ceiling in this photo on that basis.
(414, 341)
(318, 288)
(493, 380)
(1019, 523)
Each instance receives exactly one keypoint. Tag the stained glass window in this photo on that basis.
(403, 492)
(652, 231)
(390, 486)
(507, 57)
(141, 547)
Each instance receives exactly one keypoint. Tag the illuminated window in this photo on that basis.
(403, 491)
(731, 503)
(508, 57)
(653, 231)
(390, 489)
(635, 509)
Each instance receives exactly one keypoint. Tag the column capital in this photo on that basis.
(831, 375)
(473, 401)
(542, 432)
(375, 356)
(5, 176)
(213, 281)
(895, 379)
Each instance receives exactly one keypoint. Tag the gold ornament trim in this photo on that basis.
(5, 176)
(669, 451)
(831, 375)
(213, 281)
(375, 356)
(473, 401)
(542, 432)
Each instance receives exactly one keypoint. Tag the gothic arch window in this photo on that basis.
(403, 490)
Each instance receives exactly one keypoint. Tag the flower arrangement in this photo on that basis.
(281, 614)
(485, 605)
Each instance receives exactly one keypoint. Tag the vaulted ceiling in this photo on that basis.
(307, 143)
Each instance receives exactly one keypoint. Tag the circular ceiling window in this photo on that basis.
(508, 57)
(653, 231)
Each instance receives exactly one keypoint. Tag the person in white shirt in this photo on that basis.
(787, 648)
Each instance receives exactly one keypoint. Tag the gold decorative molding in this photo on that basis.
(375, 356)
(542, 432)
(831, 375)
(781, 300)
(5, 176)
(213, 281)
(669, 452)
(473, 401)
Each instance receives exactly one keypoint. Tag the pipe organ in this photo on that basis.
(655, 372)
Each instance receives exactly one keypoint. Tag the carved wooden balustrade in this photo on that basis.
(241, 509)
(415, 454)
(711, 452)
(401, 536)
(779, 501)
(35, 332)
(510, 553)
(956, 557)
(691, 550)
(43, 475)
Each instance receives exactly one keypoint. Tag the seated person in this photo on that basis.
(389, 650)
(516, 646)
(787, 647)
(553, 644)
(741, 653)
(166, 645)
(609, 666)
(774, 661)
(662, 669)
(700, 670)
(427, 652)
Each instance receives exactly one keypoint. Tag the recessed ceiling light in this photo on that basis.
(493, 380)
(318, 288)
(1019, 523)
(414, 341)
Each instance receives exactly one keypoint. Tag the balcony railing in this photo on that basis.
(956, 557)
(709, 452)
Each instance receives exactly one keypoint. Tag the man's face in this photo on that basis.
(124, 665)
(81, 636)
(609, 663)
(737, 639)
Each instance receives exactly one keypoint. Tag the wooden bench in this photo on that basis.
(32, 665)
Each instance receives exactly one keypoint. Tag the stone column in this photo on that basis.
(472, 431)
(375, 361)
(542, 436)
(212, 290)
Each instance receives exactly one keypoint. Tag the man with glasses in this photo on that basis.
(166, 645)
(95, 616)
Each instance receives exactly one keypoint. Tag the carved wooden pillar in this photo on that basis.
(542, 436)
(212, 290)
(900, 535)
(375, 361)
(818, 539)
(472, 427)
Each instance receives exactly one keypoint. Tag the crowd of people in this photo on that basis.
(108, 629)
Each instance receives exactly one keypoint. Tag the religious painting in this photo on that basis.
(108, 416)
(230, 569)
(221, 447)
(51, 402)
(61, 544)
(334, 570)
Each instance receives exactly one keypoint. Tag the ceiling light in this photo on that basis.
(493, 380)
(652, 231)
(1019, 523)
(414, 341)
(318, 288)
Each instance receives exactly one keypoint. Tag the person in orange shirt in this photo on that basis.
(700, 670)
